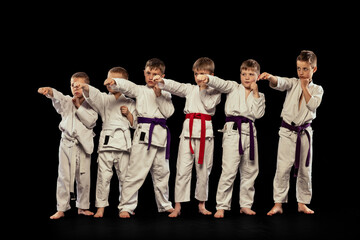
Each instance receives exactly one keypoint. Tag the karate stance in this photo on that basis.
(117, 113)
(303, 97)
(197, 138)
(244, 104)
(151, 144)
(77, 122)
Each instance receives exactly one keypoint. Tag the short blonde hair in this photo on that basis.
(250, 64)
(204, 63)
(120, 70)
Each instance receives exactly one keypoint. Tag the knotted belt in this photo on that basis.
(113, 127)
(73, 144)
(298, 130)
(153, 122)
(239, 120)
(203, 117)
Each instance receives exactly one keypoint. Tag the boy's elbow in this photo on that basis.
(91, 120)
(313, 104)
(170, 113)
(312, 107)
(259, 114)
(90, 124)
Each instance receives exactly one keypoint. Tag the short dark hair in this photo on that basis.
(308, 56)
(250, 64)
(156, 63)
(81, 75)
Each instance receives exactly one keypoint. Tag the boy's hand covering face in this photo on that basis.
(158, 79)
(109, 82)
(202, 78)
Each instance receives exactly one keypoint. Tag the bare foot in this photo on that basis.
(176, 212)
(85, 212)
(203, 210)
(99, 213)
(247, 211)
(124, 214)
(276, 209)
(170, 210)
(219, 213)
(57, 215)
(303, 208)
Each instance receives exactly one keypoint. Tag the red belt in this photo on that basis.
(203, 117)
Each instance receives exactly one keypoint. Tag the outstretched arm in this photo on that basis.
(172, 86)
(124, 86)
(224, 86)
(267, 76)
(46, 91)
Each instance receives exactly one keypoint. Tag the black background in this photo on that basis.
(58, 41)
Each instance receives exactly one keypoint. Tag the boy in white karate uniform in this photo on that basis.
(151, 144)
(77, 122)
(197, 138)
(244, 104)
(303, 97)
(117, 113)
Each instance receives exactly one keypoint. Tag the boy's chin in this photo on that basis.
(247, 86)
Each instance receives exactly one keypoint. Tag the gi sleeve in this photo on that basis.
(60, 102)
(126, 87)
(165, 104)
(315, 100)
(87, 115)
(258, 106)
(223, 86)
(96, 100)
(176, 88)
(284, 84)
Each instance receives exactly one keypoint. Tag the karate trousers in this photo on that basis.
(74, 165)
(285, 161)
(106, 160)
(143, 161)
(232, 162)
(184, 165)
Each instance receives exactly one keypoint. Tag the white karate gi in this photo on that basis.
(287, 141)
(143, 160)
(197, 101)
(252, 108)
(75, 150)
(114, 142)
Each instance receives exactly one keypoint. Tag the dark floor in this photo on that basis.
(290, 225)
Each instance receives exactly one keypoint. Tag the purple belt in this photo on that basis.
(239, 120)
(298, 130)
(153, 122)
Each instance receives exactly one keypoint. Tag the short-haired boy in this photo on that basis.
(303, 97)
(197, 138)
(244, 104)
(77, 122)
(151, 144)
(117, 113)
